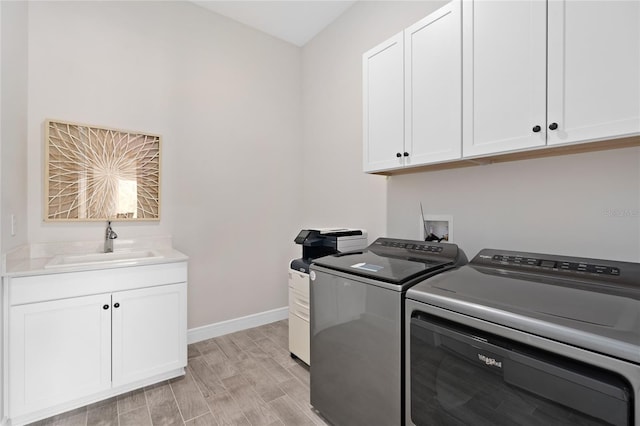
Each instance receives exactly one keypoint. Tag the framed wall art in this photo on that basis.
(97, 173)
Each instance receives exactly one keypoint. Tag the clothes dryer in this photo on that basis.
(525, 338)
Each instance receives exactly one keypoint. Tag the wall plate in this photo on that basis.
(441, 225)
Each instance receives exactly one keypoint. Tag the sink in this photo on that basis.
(118, 256)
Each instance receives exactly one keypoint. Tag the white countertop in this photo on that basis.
(33, 259)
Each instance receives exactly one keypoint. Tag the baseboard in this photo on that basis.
(230, 326)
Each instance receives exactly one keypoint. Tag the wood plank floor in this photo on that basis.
(246, 378)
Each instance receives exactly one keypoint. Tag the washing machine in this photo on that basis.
(357, 327)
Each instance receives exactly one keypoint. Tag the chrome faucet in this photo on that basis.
(108, 239)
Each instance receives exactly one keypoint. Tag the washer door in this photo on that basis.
(356, 341)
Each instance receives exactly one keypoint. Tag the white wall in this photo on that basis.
(226, 100)
(13, 123)
(564, 205)
(336, 191)
(1, 243)
(581, 205)
(261, 138)
(13, 130)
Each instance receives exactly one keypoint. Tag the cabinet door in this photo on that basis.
(433, 87)
(504, 76)
(58, 351)
(149, 332)
(299, 315)
(594, 70)
(383, 105)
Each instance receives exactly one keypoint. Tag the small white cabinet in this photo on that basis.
(594, 70)
(542, 73)
(59, 351)
(148, 332)
(299, 331)
(412, 112)
(433, 87)
(383, 105)
(78, 337)
(504, 45)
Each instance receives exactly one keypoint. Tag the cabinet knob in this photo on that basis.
(116, 305)
(406, 154)
(536, 129)
(553, 126)
(398, 155)
(105, 307)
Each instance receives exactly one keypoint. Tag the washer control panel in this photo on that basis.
(411, 246)
(415, 249)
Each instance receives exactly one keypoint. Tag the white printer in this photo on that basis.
(315, 243)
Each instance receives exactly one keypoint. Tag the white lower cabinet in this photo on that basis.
(58, 351)
(299, 331)
(147, 324)
(67, 351)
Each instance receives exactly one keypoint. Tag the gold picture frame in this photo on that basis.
(95, 173)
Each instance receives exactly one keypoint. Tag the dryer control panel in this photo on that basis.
(626, 273)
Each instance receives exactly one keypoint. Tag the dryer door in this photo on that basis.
(460, 375)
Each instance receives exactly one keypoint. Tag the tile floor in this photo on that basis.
(244, 378)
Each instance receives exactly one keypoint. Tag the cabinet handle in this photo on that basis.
(406, 154)
(553, 126)
(536, 129)
(398, 155)
(116, 305)
(105, 307)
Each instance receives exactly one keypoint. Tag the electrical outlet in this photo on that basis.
(13, 225)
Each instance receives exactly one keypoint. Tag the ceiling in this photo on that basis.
(295, 21)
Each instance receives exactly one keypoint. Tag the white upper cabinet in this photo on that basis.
(433, 87)
(412, 86)
(545, 73)
(383, 105)
(478, 78)
(504, 45)
(594, 70)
